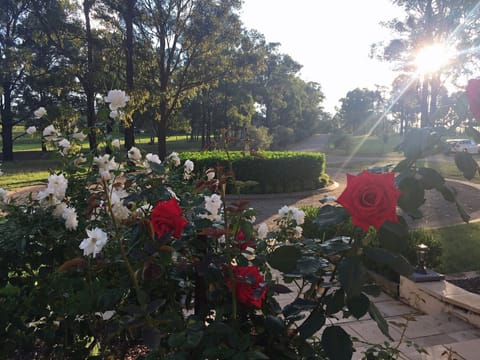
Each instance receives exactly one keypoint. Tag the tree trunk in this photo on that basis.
(424, 118)
(129, 129)
(7, 125)
(88, 83)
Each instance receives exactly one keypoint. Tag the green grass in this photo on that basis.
(460, 246)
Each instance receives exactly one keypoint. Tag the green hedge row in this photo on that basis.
(273, 172)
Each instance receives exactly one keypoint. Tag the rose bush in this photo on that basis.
(126, 249)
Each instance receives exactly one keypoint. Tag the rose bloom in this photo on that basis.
(473, 94)
(153, 158)
(94, 243)
(117, 99)
(242, 242)
(50, 131)
(210, 174)
(371, 199)
(167, 217)
(40, 112)
(31, 130)
(64, 144)
(80, 136)
(262, 231)
(174, 158)
(134, 154)
(70, 217)
(3, 196)
(249, 286)
(116, 144)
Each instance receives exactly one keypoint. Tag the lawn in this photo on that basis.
(460, 247)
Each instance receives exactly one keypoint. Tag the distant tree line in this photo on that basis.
(188, 66)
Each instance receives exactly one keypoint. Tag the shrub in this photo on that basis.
(271, 172)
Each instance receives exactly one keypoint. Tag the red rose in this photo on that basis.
(167, 217)
(249, 286)
(243, 243)
(473, 94)
(371, 199)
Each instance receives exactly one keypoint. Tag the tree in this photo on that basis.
(190, 39)
(14, 59)
(431, 22)
(360, 110)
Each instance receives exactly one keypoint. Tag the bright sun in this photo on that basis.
(432, 58)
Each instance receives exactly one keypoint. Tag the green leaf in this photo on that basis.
(466, 164)
(358, 305)
(151, 337)
(449, 193)
(284, 258)
(193, 339)
(402, 166)
(463, 213)
(351, 275)
(394, 236)
(308, 265)
(314, 322)
(274, 325)
(372, 290)
(336, 245)
(412, 195)
(395, 261)
(337, 343)
(431, 178)
(157, 168)
(297, 306)
(177, 339)
(256, 355)
(335, 302)
(329, 215)
(376, 315)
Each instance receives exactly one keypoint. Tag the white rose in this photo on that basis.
(116, 144)
(117, 99)
(134, 154)
(50, 131)
(94, 243)
(64, 144)
(40, 112)
(175, 158)
(31, 130)
(80, 136)
(262, 231)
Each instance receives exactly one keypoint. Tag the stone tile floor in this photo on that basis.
(441, 336)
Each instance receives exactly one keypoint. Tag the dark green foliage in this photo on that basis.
(273, 172)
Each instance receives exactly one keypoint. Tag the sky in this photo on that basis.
(331, 39)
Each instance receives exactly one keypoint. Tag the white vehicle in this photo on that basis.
(465, 145)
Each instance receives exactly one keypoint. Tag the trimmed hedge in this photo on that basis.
(273, 172)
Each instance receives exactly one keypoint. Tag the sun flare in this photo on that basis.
(432, 58)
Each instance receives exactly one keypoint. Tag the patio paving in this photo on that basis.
(441, 336)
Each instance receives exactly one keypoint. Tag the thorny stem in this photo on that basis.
(228, 241)
(123, 252)
(228, 251)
